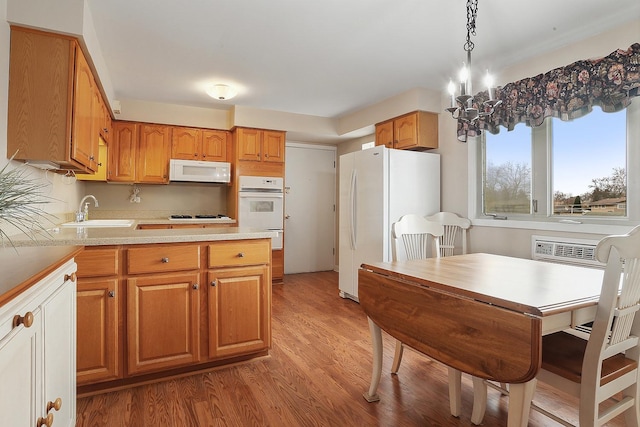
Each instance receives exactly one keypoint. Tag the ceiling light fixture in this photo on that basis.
(465, 107)
(221, 92)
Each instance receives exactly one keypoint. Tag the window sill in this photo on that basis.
(556, 225)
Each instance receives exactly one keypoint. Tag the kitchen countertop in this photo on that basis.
(96, 236)
(22, 267)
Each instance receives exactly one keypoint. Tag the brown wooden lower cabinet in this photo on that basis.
(163, 329)
(98, 335)
(239, 300)
(140, 309)
(99, 349)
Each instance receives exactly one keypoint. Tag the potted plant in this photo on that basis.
(21, 198)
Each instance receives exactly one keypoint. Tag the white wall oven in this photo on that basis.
(261, 205)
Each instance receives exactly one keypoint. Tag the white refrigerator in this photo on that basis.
(377, 187)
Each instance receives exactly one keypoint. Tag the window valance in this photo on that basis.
(566, 93)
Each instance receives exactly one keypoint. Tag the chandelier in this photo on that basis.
(465, 107)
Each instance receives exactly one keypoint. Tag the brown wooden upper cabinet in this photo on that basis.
(200, 144)
(52, 92)
(154, 149)
(413, 131)
(260, 145)
(123, 150)
(139, 152)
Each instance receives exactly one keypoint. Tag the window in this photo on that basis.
(580, 171)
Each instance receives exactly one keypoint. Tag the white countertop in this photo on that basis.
(89, 236)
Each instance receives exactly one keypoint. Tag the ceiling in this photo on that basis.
(325, 58)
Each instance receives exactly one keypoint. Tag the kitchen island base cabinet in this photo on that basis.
(184, 307)
(162, 322)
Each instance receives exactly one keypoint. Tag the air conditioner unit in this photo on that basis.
(563, 250)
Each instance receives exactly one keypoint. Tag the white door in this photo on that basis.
(309, 226)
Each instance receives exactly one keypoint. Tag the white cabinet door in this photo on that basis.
(38, 362)
(59, 332)
(20, 367)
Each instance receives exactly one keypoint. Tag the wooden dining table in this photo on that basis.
(481, 314)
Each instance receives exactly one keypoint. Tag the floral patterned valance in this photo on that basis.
(566, 93)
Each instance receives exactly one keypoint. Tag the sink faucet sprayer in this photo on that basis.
(84, 215)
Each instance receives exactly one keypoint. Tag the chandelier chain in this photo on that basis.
(472, 13)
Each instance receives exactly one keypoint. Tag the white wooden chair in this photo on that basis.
(420, 238)
(601, 366)
(453, 224)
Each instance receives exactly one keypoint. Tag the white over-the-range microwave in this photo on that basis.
(199, 171)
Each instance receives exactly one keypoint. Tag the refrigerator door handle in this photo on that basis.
(352, 209)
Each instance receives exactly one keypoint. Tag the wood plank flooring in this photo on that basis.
(318, 368)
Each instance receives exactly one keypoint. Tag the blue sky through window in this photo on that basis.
(584, 149)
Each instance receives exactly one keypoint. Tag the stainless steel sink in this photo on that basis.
(100, 223)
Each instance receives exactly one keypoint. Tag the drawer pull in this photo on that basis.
(165, 260)
(46, 421)
(241, 255)
(71, 277)
(196, 286)
(56, 404)
(112, 294)
(214, 283)
(26, 320)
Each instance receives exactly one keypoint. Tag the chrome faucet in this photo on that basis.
(84, 215)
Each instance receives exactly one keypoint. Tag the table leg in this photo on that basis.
(520, 396)
(376, 339)
(455, 392)
(479, 400)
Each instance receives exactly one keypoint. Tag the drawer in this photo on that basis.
(98, 262)
(241, 252)
(162, 258)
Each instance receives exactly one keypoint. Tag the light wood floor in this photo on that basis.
(319, 366)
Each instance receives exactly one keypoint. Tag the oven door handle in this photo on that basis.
(261, 195)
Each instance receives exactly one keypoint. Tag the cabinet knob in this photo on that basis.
(26, 320)
(214, 283)
(196, 286)
(56, 404)
(100, 164)
(71, 277)
(46, 421)
(112, 294)
(241, 255)
(164, 260)
(92, 158)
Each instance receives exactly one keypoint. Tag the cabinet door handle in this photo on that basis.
(241, 255)
(92, 158)
(112, 294)
(46, 421)
(214, 283)
(26, 320)
(196, 286)
(164, 260)
(56, 404)
(71, 277)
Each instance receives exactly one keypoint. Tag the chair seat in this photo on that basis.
(563, 353)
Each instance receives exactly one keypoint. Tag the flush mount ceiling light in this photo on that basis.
(466, 107)
(221, 92)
